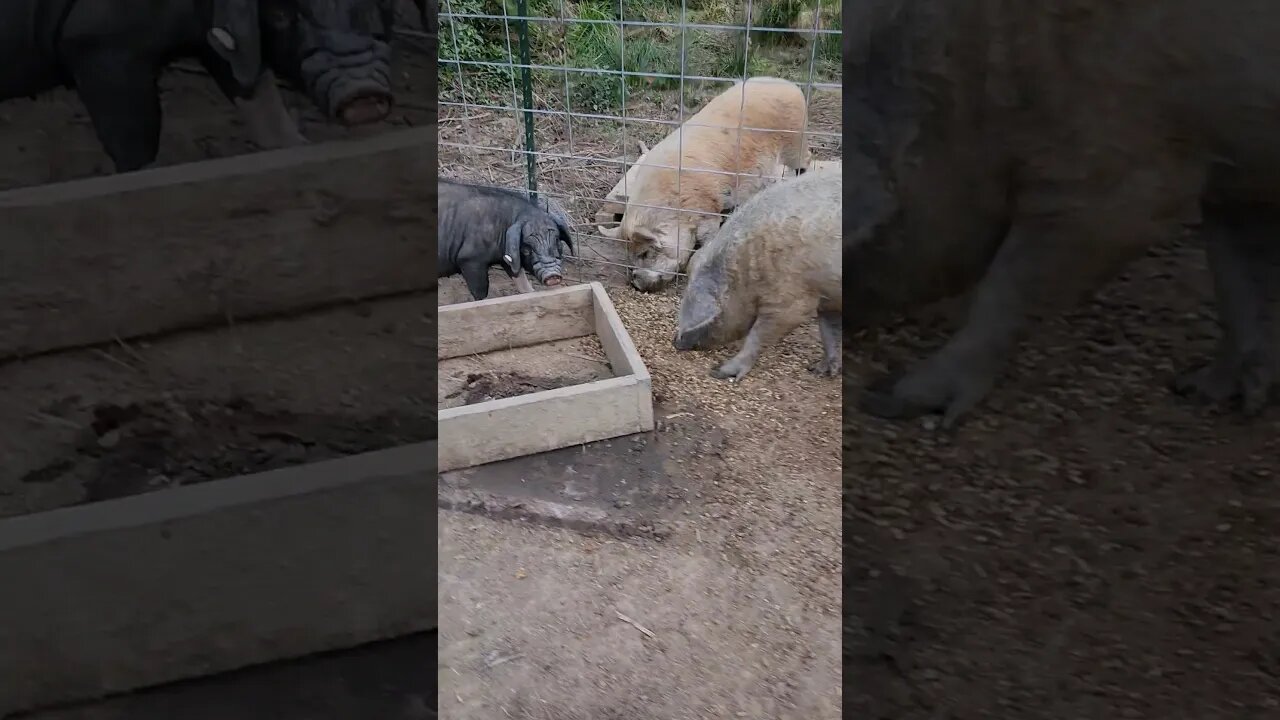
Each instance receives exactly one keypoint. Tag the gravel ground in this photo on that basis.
(1087, 546)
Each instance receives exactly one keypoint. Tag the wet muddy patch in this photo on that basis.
(521, 371)
(129, 449)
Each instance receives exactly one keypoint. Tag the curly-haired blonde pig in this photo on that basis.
(773, 265)
(726, 152)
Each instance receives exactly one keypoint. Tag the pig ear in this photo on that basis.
(511, 248)
(566, 238)
(235, 35)
(698, 315)
(642, 237)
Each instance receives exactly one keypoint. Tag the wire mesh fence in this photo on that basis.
(562, 99)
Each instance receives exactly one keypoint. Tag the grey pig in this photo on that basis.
(481, 227)
(112, 52)
(1029, 151)
(773, 265)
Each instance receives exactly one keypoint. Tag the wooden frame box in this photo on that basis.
(172, 248)
(552, 419)
(117, 595)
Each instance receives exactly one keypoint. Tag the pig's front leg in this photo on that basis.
(1077, 239)
(267, 118)
(771, 325)
(522, 282)
(830, 330)
(476, 276)
(1244, 256)
(119, 92)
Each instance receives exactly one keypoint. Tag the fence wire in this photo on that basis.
(471, 99)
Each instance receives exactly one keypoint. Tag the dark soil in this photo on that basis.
(390, 680)
(141, 447)
(1087, 546)
(483, 387)
(623, 487)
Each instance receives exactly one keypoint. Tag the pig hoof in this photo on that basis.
(1208, 384)
(826, 368)
(727, 372)
(880, 400)
(1250, 388)
(937, 387)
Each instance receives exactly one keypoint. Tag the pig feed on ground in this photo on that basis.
(113, 51)
(773, 265)
(725, 152)
(1029, 150)
(481, 227)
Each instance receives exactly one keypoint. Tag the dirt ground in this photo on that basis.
(1088, 546)
(741, 591)
(100, 423)
(479, 378)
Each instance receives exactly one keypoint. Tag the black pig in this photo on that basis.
(112, 52)
(481, 227)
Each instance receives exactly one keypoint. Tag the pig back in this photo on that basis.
(472, 222)
(786, 239)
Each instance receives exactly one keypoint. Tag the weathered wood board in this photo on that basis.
(541, 421)
(122, 256)
(117, 595)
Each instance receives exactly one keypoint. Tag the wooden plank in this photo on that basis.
(113, 596)
(512, 321)
(622, 353)
(548, 420)
(129, 255)
(617, 344)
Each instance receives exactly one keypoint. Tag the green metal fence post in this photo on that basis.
(526, 76)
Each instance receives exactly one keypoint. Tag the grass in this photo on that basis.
(605, 47)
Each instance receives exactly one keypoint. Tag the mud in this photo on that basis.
(521, 371)
(623, 487)
(483, 388)
(105, 422)
(139, 447)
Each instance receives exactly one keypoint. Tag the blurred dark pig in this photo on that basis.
(773, 266)
(338, 50)
(429, 13)
(112, 53)
(1027, 151)
(481, 227)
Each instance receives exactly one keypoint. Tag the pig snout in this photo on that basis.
(365, 109)
(697, 338)
(548, 273)
(648, 280)
(350, 79)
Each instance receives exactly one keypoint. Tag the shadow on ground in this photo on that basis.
(392, 680)
(623, 486)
